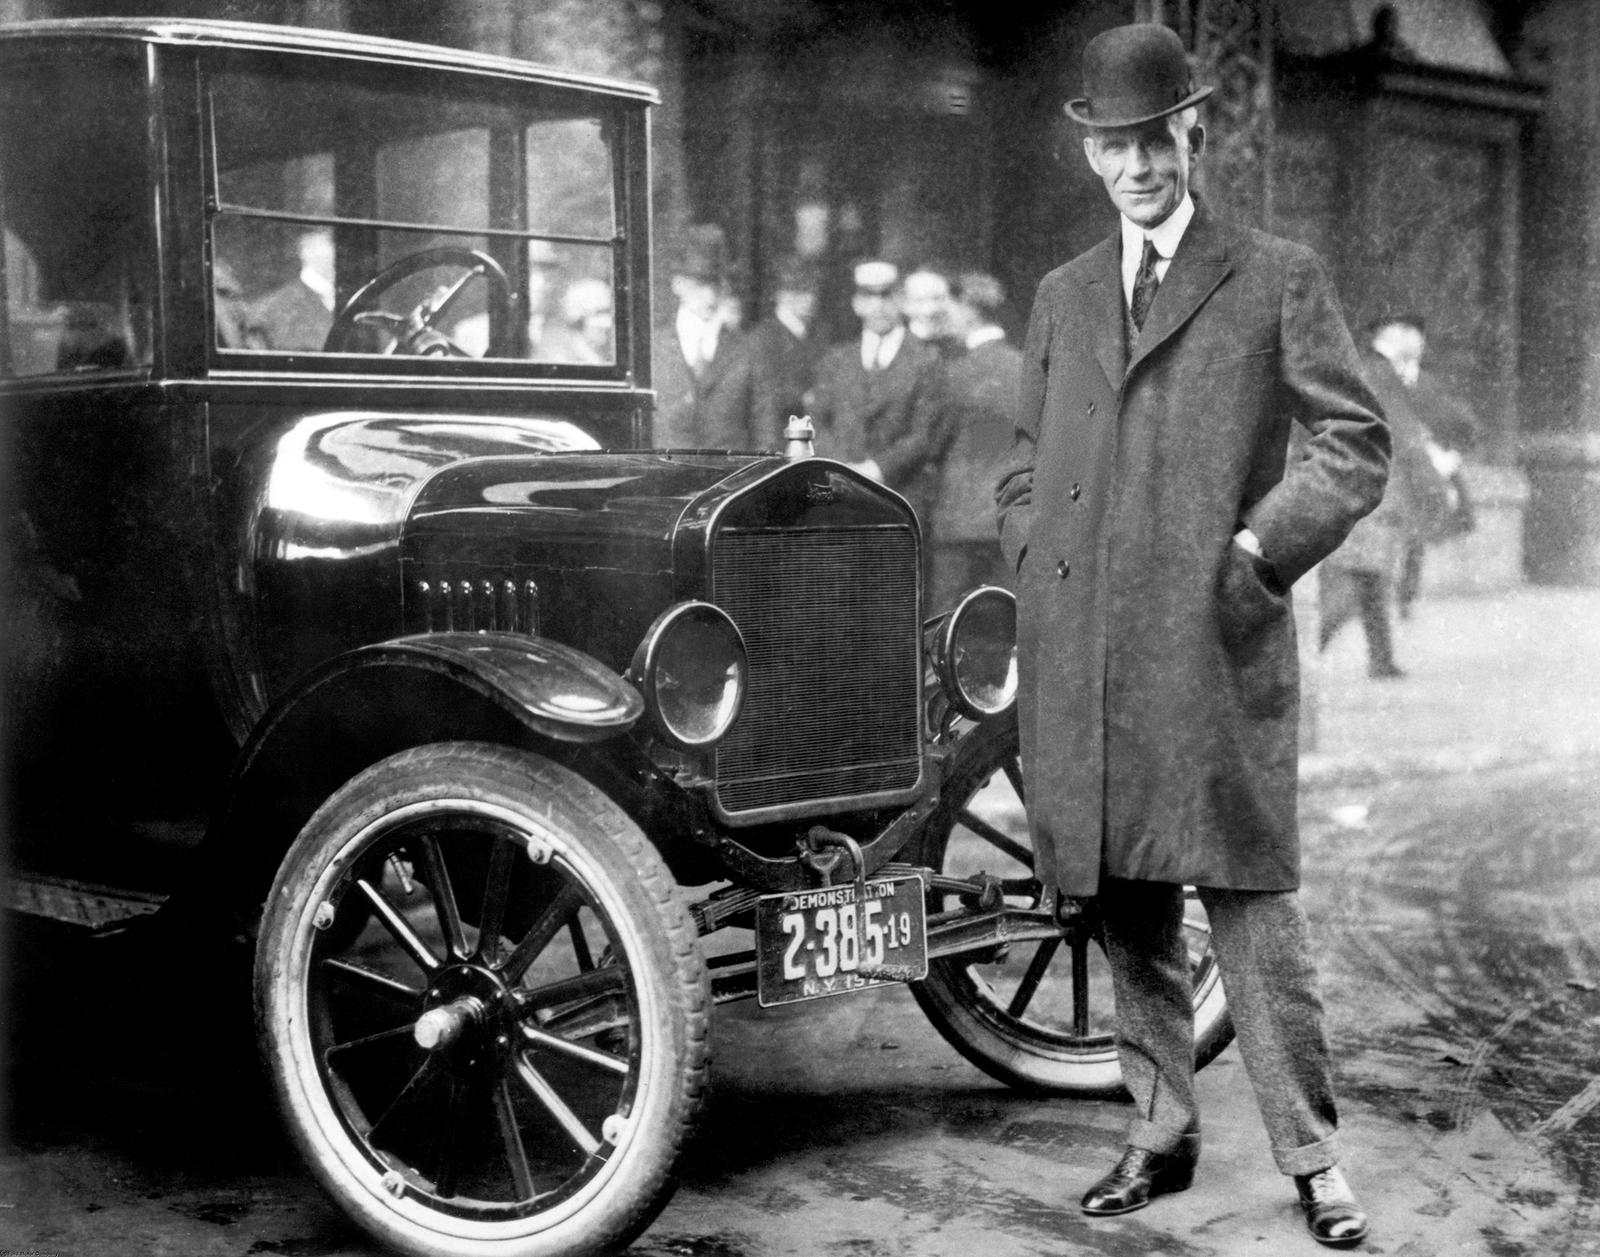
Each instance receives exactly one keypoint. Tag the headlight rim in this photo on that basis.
(945, 662)
(643, 672)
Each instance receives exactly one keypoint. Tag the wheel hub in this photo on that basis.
(464, 1005)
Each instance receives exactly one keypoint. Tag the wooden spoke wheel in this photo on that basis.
(482, 1008)
(1039, 1015)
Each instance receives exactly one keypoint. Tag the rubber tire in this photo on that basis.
(627, 876)
(1007, 1048)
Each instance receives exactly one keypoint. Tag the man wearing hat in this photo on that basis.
(784, 350)
(875, 403)
(1156, 527)
(703, 377)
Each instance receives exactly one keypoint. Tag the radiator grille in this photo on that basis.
(830, 620)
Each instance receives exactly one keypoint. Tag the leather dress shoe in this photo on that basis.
(1332, 1215)
(1141, 1175)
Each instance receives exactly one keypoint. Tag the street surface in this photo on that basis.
(1452, 838)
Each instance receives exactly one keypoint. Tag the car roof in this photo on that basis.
(258, 35)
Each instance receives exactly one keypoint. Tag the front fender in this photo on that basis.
(377, 700)
(556, 691)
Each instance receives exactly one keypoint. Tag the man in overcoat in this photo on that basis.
(980, 398)
(704, 376)
(784, 350)
(875, 400)
(1359, 578)
(1156, 526)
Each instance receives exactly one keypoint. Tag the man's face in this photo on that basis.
(878, 311)
(1145, 168)
(927, 304)
(800, 303)
(963, 319)
(1402, 345)
(696, 295)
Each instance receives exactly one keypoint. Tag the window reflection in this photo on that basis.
(326, 183)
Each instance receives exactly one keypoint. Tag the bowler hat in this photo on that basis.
(702, 254)
(1132, 75)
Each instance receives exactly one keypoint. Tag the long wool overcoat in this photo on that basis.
(1160, 682)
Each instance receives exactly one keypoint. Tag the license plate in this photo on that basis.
(812, 943)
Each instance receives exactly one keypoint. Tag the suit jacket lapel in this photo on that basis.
(1198, 267)
(1104, 304)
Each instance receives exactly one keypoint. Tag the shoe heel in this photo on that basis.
(1175, 1178)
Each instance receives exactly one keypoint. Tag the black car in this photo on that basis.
(350, 611)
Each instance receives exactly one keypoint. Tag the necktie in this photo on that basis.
(1145, 284)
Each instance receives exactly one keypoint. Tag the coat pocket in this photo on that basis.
(1241, 362)
(1255, 623)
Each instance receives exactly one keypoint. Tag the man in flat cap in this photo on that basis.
(1156, 528)
(875, 402)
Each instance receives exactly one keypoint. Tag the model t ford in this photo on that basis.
(349, 605)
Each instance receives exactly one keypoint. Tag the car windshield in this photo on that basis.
(372, 213)
(78, 242)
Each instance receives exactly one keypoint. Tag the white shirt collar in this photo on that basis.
(698, 337)
(318, 285)
(983, 335)
(884, 347)
(789, 319)
(1166, 236)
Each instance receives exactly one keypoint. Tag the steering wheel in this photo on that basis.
(418, 332)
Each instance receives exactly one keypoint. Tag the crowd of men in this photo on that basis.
(920, 398)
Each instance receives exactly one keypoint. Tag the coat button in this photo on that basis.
(1063, 569)
(1077, 491)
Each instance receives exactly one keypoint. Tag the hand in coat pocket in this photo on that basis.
(1250, 599)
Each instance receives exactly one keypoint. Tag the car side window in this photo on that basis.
(76, 214)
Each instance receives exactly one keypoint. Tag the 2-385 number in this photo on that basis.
(838, 941)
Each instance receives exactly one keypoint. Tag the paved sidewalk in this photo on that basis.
(1491, 680)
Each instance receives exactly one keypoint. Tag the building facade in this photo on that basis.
(1431, 150)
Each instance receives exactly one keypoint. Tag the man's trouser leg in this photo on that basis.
(1265, 960)
(1150, 976)
(1374, 595)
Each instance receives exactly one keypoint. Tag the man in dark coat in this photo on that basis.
(1156, 527)
(1359, 578)
(980, 400)
(297, 314)
(703, 375)
(875, 402)
(784, 351)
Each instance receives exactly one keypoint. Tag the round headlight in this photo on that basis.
(691, 669)
(978, 653)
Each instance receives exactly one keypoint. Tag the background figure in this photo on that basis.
(298, 314)
(1358, 579)
(232, 310)
(472, 332)
(584, 333)
(1452, 432)
(876, 399)
(980, 398)
(784, 351)
(925, 301)
(703, 375)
